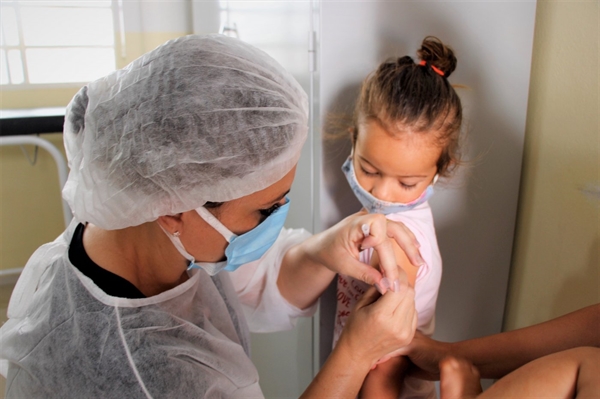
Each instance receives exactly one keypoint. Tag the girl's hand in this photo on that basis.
(380, 324)
(338, 247)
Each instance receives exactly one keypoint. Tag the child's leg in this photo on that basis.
(459, 379)
(385, 381)
(563, 375)
(569, 374)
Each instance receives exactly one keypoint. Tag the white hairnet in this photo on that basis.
(200, 118)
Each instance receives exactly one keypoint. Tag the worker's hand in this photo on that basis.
(379, 324)
(338, 247)
(425, 354)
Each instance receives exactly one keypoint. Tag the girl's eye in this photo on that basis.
(267, 212)
(407, 186)
(366, 172)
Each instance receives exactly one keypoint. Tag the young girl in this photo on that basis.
(405, 135)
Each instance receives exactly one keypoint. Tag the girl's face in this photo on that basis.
(394, 169)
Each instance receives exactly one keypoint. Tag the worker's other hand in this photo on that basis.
(379, 324)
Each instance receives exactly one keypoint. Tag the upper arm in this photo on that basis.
(402, 261)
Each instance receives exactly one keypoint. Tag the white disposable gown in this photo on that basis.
(66, 338)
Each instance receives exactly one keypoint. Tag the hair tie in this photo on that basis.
(435, 69)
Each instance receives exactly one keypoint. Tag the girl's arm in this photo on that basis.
(402, 261)
(499, 354)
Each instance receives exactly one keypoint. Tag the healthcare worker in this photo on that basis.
(180, 165)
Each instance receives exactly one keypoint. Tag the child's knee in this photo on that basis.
(452, 365)
(579, 354)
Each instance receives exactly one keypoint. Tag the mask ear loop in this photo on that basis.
(179, 246)
(435, 179)
(215, 223)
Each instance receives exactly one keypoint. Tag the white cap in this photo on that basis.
(200, 118)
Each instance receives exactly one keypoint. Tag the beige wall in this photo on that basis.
(30, 202)
(30, 207)
(556, 267)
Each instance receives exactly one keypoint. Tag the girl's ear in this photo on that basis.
(171, 223)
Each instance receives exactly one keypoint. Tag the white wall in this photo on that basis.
(285, 359)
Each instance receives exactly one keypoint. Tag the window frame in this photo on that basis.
(116, 12)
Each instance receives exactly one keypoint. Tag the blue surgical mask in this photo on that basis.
(241, 249)
(375, 205)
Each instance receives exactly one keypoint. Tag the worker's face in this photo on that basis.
(243, 214)
(239, 216)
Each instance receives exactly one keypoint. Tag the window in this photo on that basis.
(55, 43)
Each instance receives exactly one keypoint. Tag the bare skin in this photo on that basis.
(459, 379)
(499, 354)
(385, 380)
(568, 374)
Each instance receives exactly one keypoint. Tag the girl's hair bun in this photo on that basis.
(436, 53)
(412, 98)
(406, 60)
